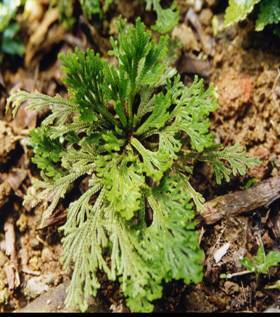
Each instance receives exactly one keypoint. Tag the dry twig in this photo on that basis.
(239, 202)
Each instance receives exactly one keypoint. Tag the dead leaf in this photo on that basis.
(218, 254)
(5, 192)
(16, 177)
(7, 141)
(10, 247)
(44, 36)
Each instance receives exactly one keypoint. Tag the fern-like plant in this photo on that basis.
(267, 11)
(133, 132)
(262, 262)
(10, 43)
(167, 18)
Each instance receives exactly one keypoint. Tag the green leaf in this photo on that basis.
(88, 233)
(238, 10)
(12, 47)
(159, 115)
(173, 233)
(194, 104)
(261, 263)
(166, 18)
(84, 78)
(47, 152)
(7, 11)
(124, 177)
(231, 160)
(269, 13)
(91, 7)
(154, 163)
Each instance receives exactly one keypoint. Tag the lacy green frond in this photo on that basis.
(10, 42)
(132, 133)
(90, 9)
(47, 152)
(173, 231)
(267, 12)
(167, 18)
(238, 10)
(232, 160)
(262, 262)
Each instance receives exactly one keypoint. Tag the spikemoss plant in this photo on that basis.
(10, 43)
(167, 18)
(262, 262)
(267, 13)
(133, 132)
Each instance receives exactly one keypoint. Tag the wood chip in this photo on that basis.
(239, 202)
(10, 247)
(5, 192)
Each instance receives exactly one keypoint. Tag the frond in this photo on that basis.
(132, 133)
(83, 245)
(38, 102)
(167, 18)
(231, 160)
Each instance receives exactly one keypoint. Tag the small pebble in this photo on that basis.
(47, 255)
(35, 244)
(35, 286)
(205, 17)
(211, 3)
(34, 263)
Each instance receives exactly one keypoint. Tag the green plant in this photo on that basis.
(9, 42)
(268, 12)
(89, 8)
(167, 18)
(261, 262)
(133, 132)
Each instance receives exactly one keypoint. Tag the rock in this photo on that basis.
(37, 285)
(47, 255)
(235, 93)
(186, 36)
(197, 6)
(211, 3)
(35, 244)
(205, 17)
(53, 301)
